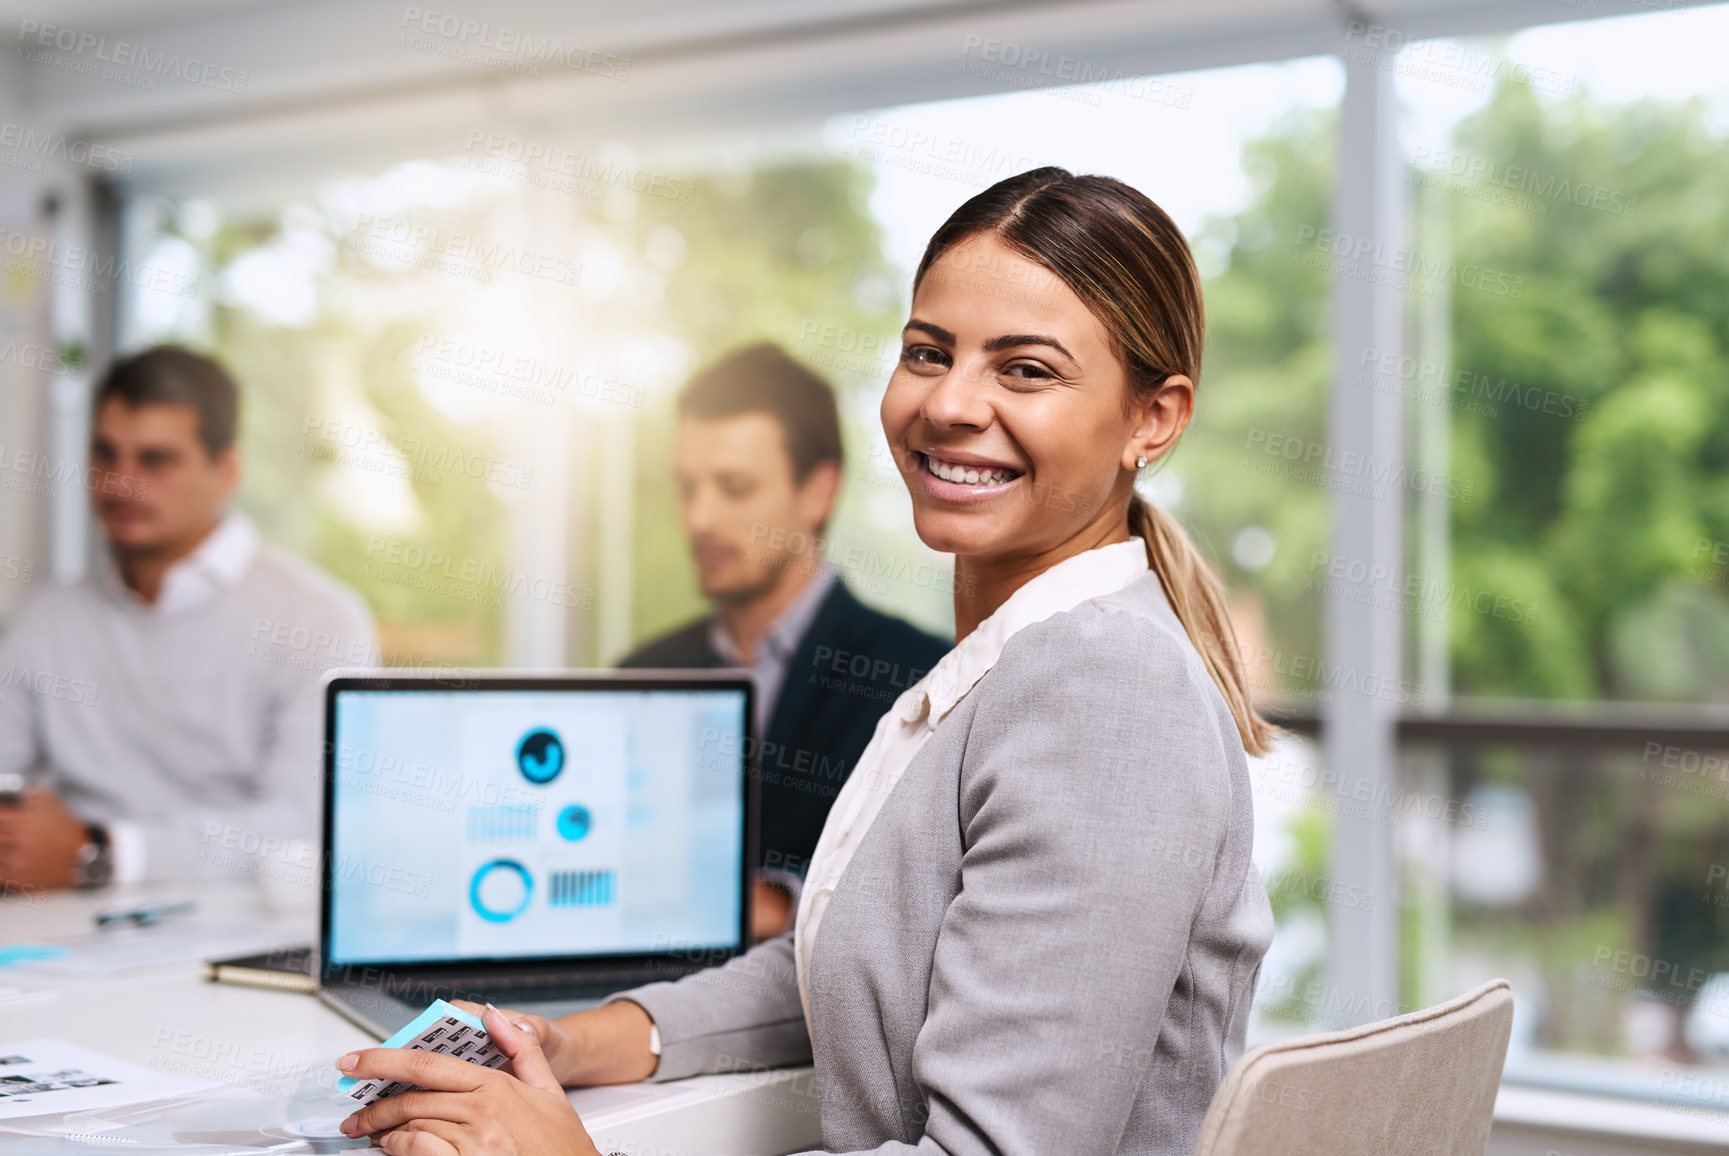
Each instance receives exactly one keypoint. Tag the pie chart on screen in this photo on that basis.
(540, 756)
(574, 822)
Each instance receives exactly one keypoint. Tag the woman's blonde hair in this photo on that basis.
(1125, 258)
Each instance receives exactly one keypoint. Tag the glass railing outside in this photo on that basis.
(1579, 850)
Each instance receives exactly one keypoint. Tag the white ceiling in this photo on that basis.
(333, 79)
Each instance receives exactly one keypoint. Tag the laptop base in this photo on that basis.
(381, 1014)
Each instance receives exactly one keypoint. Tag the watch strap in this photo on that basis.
(95, 867)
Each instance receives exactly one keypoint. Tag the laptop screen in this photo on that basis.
(521, 823)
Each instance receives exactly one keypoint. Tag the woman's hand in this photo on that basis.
(604, 1045)
(468, 1110)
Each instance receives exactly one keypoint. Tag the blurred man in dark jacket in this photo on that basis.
(757, 457)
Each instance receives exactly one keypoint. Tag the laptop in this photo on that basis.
(537, 842)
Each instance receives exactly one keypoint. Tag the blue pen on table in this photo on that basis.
(145, 916)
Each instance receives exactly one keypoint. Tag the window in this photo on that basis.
(1566, 371)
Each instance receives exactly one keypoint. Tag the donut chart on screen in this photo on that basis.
(500, 890)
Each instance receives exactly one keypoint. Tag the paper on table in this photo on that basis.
(249, 1122)
(41, 1076)
(301, 1114)
(135, 948)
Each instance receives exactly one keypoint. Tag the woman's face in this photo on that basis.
(1006, 413)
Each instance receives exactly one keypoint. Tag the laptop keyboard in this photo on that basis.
(531, 995)
(525, 988)
(588, 979)
(529, 988)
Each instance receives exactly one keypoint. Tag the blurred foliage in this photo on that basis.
(1609, 511)
(1296, 892)
(331, 411)
(1265, 371)
(1589, 413)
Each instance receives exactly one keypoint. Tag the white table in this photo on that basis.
(168, 1018)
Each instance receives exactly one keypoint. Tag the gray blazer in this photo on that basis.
(1047, 941)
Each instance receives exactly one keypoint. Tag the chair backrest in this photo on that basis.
(1423, 1084)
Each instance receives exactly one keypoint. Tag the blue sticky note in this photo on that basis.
(478, 1048)
(22, 952)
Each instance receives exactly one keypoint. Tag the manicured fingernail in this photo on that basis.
(489, 1007)
(524, 1028)
(346, 1063)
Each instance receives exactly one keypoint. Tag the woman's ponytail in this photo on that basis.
(1198, 598)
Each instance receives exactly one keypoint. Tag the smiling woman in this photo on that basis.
(1093, 263)
(1030, 925)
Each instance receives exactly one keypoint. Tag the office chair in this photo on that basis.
(1422, 1084)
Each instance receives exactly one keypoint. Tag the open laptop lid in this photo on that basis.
(508, 821)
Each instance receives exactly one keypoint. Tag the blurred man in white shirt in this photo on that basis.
(160, 719)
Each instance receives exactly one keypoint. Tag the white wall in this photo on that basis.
(23, 343)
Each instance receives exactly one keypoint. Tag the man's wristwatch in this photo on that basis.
(95, 867)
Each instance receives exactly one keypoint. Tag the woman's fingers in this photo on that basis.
(537, 1026)
(394, 1111)
(423, 1138)
(478, 1010)
(435, 1072)
(521, 1043)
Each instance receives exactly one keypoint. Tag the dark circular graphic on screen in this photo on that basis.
(574, 822)
(540, 756)
(500, 890)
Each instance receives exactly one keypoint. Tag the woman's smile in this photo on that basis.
(953, 476)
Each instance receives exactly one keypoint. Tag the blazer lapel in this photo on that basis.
(798, 690)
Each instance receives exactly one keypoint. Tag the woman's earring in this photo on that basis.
(1141, 462)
